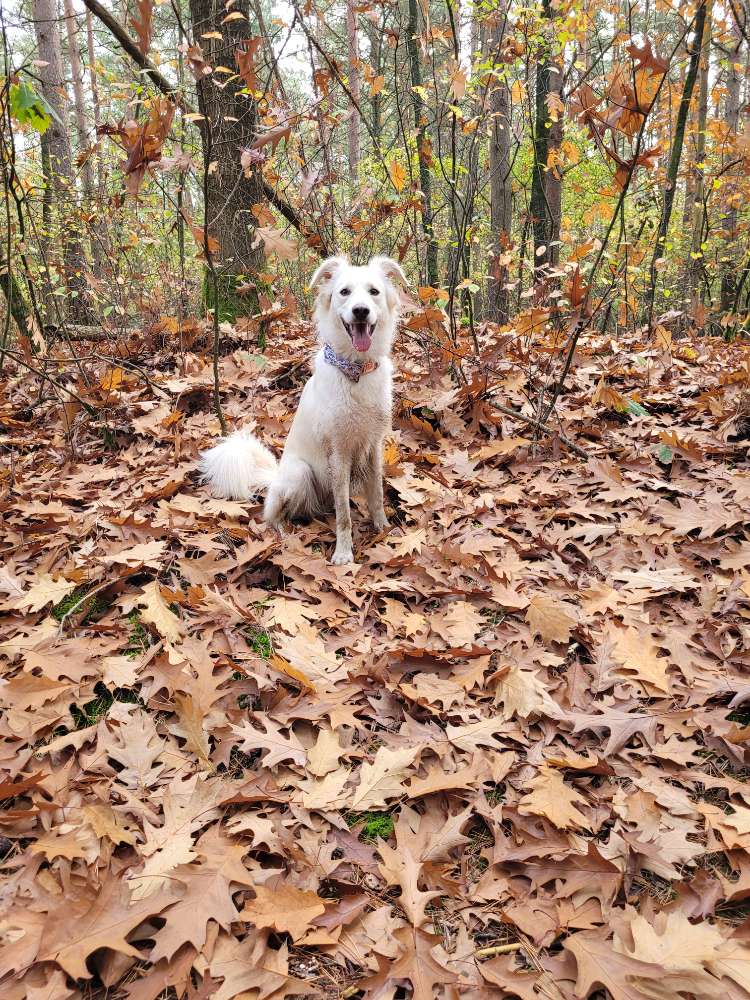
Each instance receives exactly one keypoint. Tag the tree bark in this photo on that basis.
(79, 103)
(60, 165)
(423, 145)
(553, 183)
(675, 156)
(695, 264)
(14, 301)
(731, 192)
(229, 127)
(539, 207)
(501, 195)
(93, 81)
(353, 53)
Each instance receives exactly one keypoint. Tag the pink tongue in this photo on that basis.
(361, 339)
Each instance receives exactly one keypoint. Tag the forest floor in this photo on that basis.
(502, 756)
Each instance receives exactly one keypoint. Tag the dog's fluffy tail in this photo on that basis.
(238, 467)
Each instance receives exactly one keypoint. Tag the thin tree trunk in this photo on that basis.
(229, 126)
(730, 191)
(375, 38)
(95, 100)
(501, 195)
(676, 155)
(553, 183)
(423, 144)
(79, 104)
(695, 265)
(539, 208)
(353, 53)
(547, 134)
(60, 176)
(15, 303)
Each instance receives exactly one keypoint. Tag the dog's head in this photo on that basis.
(357, 306)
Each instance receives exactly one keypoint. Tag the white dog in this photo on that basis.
(335, 444)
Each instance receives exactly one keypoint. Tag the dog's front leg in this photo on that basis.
(340, 470)
(374, 489)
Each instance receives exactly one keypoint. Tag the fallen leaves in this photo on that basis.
(382, 779)
(551, 797)
(233, 770)
(283, 908)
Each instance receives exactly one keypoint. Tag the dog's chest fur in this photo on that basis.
(360, 412)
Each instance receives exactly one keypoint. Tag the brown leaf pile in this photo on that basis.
(531, 688)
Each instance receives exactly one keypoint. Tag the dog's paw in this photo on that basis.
(342, 557)
(380, 522)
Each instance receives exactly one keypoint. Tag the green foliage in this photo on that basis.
(373, 825)
(139, 638)
(88, 609)
(231, 302)
(90, 713)
(30, 108)
(260, 642)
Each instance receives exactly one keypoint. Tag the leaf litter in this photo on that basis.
(502, 756)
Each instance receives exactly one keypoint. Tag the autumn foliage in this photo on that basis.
(504, 756)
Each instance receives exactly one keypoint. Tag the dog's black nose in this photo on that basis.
(361, 312)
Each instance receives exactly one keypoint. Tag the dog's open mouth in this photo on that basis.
(360, 332)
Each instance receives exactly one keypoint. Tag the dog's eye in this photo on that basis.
(374, 291)
(344, 291)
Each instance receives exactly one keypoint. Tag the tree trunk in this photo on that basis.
(675, 156)
(553, 184)
(423, 145)
(539, 208)
(229, 127)
(76, 72)
(731, 191)
(501, 195)
(353, 52)
(374, 34)
(60, 165)
(95, 100)
(15, 303)
(695, 264)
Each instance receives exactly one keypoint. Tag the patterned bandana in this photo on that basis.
(352, 369)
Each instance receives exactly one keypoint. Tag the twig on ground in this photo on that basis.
(498, 949)
(539, 425)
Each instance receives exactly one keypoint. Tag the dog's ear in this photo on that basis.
(390, 268)
(327, 270)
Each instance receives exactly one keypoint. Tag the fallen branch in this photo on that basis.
(541, 426)
(78, 331)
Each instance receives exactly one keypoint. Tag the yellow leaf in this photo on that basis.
(571, 151)
(517, 92)
(112, 380)
(391, 454)
(285, 667)
(397, 175)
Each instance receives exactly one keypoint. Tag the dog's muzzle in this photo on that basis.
(360, 333)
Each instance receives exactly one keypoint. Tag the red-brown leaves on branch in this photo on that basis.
(143, 143)
(245, 54)
(143, 24)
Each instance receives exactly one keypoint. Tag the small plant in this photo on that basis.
(260, 642)
(90, 713)
(139, 638)
(88, 609)
(374, 825)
